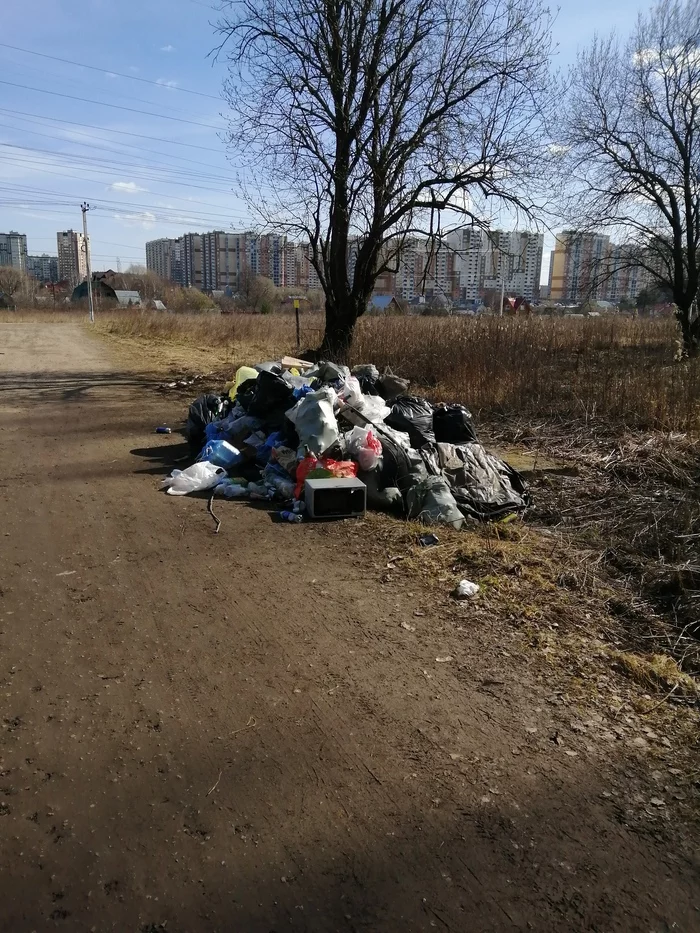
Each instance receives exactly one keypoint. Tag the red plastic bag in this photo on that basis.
(312, 468)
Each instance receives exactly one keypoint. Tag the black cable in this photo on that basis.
(68, 61)
(100, 103)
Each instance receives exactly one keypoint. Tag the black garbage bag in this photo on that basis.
(484, 487)
(246, 393)
(400, 467)
(202, 411)
(273, 397)
(453, 424)
(368, 385)
(413, 415)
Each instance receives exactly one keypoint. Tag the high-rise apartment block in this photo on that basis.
(164, 257)
(221, 259)
(459, 267)
(72, 256)
(463, 265)
(43, 268)
(13, 250)
(587, 265)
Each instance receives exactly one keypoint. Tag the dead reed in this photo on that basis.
(613, 368)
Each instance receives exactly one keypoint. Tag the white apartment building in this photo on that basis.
(512, 259)
(466, 263)
(43, 268)
(72, 256)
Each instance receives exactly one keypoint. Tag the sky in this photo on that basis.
(133, 122)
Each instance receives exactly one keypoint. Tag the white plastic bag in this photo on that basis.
(315, 421)
(195, 478)
(465, 589)
(371, 408)
(365, 447)
(350, 392)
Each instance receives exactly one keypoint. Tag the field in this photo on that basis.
(621, 369)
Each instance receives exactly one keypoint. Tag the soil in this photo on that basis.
(263, 730)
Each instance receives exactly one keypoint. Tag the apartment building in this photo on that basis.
(164, 257)
(13, 250)
(72, 251)
(464, 264)
(220, 259)
(587, 266)
(512, 260)
(43, 268)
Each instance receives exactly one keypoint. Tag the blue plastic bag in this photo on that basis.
(265, 450)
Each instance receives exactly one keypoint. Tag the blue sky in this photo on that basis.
(161, 172)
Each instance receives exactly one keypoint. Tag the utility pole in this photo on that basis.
(503, 281)
(85, 207)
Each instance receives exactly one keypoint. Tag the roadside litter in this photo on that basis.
(323, 441)
(465, 589)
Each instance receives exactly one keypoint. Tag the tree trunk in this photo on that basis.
(340, 328)
(689, 320)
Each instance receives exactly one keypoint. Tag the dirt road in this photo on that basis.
(236, 733)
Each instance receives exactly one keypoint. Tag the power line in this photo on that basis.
(40, 164)
(68, 199)
(114, 91)
(100, 103)
(93, 144)
(68, 61)
(111, 164)
(104, 129)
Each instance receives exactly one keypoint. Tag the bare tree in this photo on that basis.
(633, 130)
(12, 282)
(362, 122)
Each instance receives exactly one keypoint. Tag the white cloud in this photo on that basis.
(143, 219)
(125, 187)
(110, 74)
(167, 48)
(165, 83)
(134, 68)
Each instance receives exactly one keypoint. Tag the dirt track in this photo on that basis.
(235, 733)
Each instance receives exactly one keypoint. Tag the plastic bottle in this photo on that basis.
(164, 430)
(287, 516)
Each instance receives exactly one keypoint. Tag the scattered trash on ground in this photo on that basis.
(321, 441)
(185, 382)
(164, 430)
(428, 540)
(466, 589)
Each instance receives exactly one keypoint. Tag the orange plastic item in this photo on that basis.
(313, 468)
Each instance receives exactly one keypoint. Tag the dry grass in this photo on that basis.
(620, 369)
(657, 671)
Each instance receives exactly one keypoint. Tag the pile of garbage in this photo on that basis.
(285, 422)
